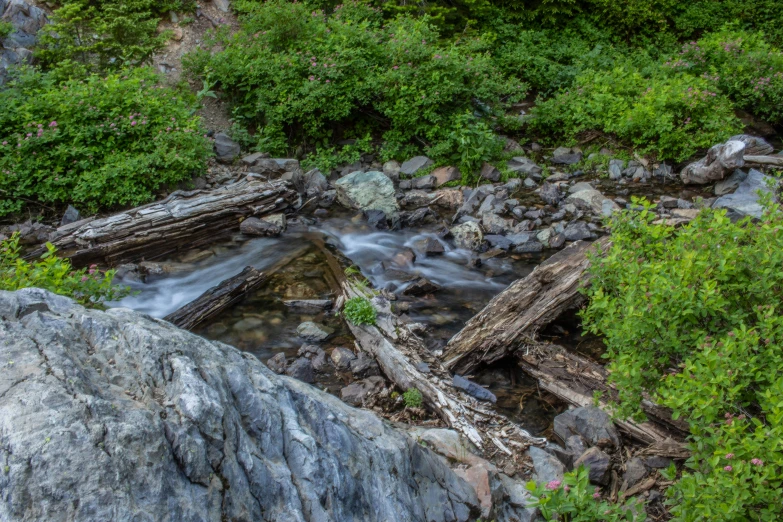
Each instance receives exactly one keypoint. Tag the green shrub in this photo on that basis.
(413, 398)
(692, 317)
(99, 143)
(573, 499)
(359, 310)
(395, 79)
(469, 143)
(6, 28)
(89, 287)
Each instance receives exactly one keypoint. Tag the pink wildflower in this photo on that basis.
(84, 278)
(727, 468)
(133, 124)
(53, 124)
(757, 462)
(553, 485)
(729, 456)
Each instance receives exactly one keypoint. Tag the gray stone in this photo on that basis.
(730, 184)
(222, 5)
(226, 149)
(501, 242)
(668, 202)
(277, 363)
(494, 224)
(657, 462)
(272, 225)
(251, 159)
(421, 286)
(310, 331)
(593, 200)
(368, 191)
(301, 369)
(635, 472)
(342, 357)
(423, 183)
(557, 241)
(489, 172)
(138, 420)
(514, 506)
(71, 215)
(754, 145)
(663, 171)
(414, 165)
(416, 199)
(433, 247)
(392, 170)
(550, 194)
(546, 467)
(598, 464)
(473, 389)
(717, 164)
(577, 231)
(531, 247)
(567, 159)
(467, 235)
(523, 165)
(746, 200)
(591, 423)
(575, 444)
(364, 366)
(320, 361)
(529, 183)
(616, 167)
(308, 305)
(311, 184)
(308, 350)
(355, 393)
(444, 175)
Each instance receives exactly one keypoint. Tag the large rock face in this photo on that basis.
(117, 416)
(27, 21)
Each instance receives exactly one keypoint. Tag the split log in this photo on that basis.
(185, 219)
(515, 315)
(772, 161)
(216, 299)
(575, 379)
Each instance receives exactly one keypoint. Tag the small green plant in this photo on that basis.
(574, 499)
(89, 286)
(359, 310)
(6, 28)
(469, 143)
(413, 398)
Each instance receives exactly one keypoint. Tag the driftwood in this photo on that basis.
(772, 161)
(216, 299)
(514, 316)
(182, 220)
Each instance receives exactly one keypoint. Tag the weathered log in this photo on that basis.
(575, 379)
(216, 299)
(185, 219)
(772, 161)
(514, 316)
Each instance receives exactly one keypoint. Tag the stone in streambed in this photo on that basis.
(368, 191)
(278, 363)
(467, 235)
(301, 369)
(342, 357)
(311, 331)
(355, 393)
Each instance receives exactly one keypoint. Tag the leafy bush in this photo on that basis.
(573, 499)
(469, 144)
(671, 117)
(413, 398)
(89, 287)
(6, 28)
(359, 310)
(395, 80)
(99, 143)
(692, 317)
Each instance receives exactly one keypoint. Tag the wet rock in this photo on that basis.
(489, 172)
(308, 305)
(526, 166)
(635, 472)
(327, 199)
(364, 366)
(592, 199)
(473, 389)
(420, 287)
(226, 149)
(754, 145)
(720, 161)
(501, 242)
(266, 226)
(577, 231)
(277, 363)
(730, 184)
(550, 194)
(423, 183)
(320, 362)
(591, 423)
(414, 165)
(417, 199)
(616, 167)
(444, 175)
(342, 357)
(71, 215)
(311, 331)
(598, 463)
(433, 247)
(546, 467)
(355, 393)
(557, 241)
(448, 198)
(494, 224)
(404, 258)
(308, 350)
(368, 191)
(745, 201)
(310, 184)
(467, 235)
(392, 170)
(376, 219)
(301, 369)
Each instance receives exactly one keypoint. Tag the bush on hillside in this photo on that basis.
(99, 143)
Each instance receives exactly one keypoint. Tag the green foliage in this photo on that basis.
(89, 287)
(359, 310)
(413, 398)
(6, 28)
(394, 79)
(469, 143)
(574, 500)
(328, 158)
(99, 143)
(692, 317)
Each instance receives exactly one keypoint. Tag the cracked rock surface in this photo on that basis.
(116, 416)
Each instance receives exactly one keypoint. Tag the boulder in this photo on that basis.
(226, 149)
(720, 160)
(311, 184)
(310, 331)
(364, 366)
(423, 183)
(139, 420)
(616, 167)
(592, 424)
(277, 363)
(467, 235)
(494, 224)
(448, 198)
(433, 247)
(368, 190)
(414, 165)
(730, 184)
(746, 201)
(71, 215)
(635, 472)
(342, 357)
(550, 194)
(444, 175)
(392, 170)
(592, 199)
(566, 156)
(355, 393)
(526, 166)
(546, 467)
(301, 369)
(420, 287)
(577, 231)
(320, 361)
(489, 172)
(754, 145)
(272, 225)
(598, 464)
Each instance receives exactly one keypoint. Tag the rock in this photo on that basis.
(448, 198)
(557, 241)
(731, 183)
(489, 172)
(226, 149)
(745, 201)
(566, 158)
(342, 357)
(720, 160)
(320, 361)
(138, 419)
(494, 224)
(310, 331)
(423, 183)
(355, 394)
(417, 199)
(550, 194)
(414, 165)
(308, 350)
(479, 476)
(754, 145)
(366, 191)
(591, 423)
(301, 369)
(663, 171)
(444, 175)
(433, 247)
(575, 445)
(577, 231)
(594, 200)
(392, 170)
(598, 463)
(529, 183)
(222, 5)
(420, 287)
(311, 184)
(71, 215)
(501, 242)
(513, 146)
(308, 305)
(514, 507)
(251, 159)
(450, 444)
(272, 225)
(657, 462)
(364, 366)
(635, 472)
(467, 235)
(473, 389)
(526, 166)
(531, 247)
(277, 363)
(546, 467)
(616, 167)
(667, 202)
(376, 219)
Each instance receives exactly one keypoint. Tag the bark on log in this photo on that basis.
(773, 161)
(185, 219)
(216, 299)
(515, 315)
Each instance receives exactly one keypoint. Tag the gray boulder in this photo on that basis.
(445, 174)
(423, 183)
(546, 467)
(368, 191)
(301, 369)
(467, 235)
(489, 172)
(116, 416)
(277, 363)
(576, 231)
(526, 166)
(342, 357)
(598, 463)
(754, 145)
(588, 197)
(310, 184)
(71, 215)
(616, 167)
(730, 184)
(720, 160)
(355, 393)
(591, 423)
(226, 149)
(746, 200)
(310, 331)
(566, 156)
(26, 20)
(550, 194)
(273, 225)
(414, 165)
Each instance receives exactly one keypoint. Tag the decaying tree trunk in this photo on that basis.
(182, 220)
(216, 299)
(515, 315)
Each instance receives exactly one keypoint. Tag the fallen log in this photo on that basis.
(772, 161)
(515, 315)
(216, 299)
(185, 219)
